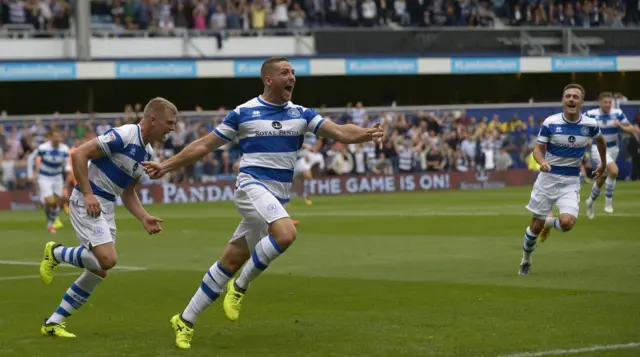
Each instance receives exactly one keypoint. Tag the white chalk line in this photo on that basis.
(25, 277)
(347, 214)
(426, 214)
(63, 265)
(479, 211)
(571, 351)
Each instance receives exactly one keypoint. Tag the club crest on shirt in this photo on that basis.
(293, 112)
(584, 131)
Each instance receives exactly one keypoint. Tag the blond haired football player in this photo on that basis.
(115, 169)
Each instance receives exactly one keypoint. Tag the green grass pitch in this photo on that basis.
(429, 274)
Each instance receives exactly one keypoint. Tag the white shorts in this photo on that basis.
(259, 208)
(92, 232)
(547, 192)
(49, 186)
(302, 165)
(316, 158)
(612, 155)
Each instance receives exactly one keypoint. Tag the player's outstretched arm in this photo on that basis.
(349, 133)
(190, 154)
(630, 129)
(132, 203)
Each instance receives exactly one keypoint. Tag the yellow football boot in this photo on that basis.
(232, 301)
(49, 263)
(58, 223)
(544, 233)
(184, 333)
(57, 330)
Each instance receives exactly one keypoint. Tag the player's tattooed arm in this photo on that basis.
(190, 154)
(349, 133)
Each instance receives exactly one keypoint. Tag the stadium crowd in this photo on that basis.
(167, 17)
(416, 141)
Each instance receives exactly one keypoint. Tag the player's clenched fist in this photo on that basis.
(376, 133)
(545, 167)
(153, 169)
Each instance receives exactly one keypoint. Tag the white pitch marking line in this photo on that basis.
(65, 265)
(575, 350)
(480, 212)
(23, 277)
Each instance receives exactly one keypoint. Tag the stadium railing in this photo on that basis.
(508, 35)
(21, 31)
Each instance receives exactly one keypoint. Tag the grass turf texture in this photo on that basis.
(430, 274)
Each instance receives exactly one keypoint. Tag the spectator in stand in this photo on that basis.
(503, 160)
(8, 173)
(297, 16)
(259, 13)
(358, 114)
(461, 162)
(219, 19)
(103, 127)
(162, 16)
(369, 11)
(417, 141)
(435, 159)
(200, 18)
(61, 18)
(3, 140)
(41, 15)
(14, 11)
(14, 147)
(280, 14)
(400, 13)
